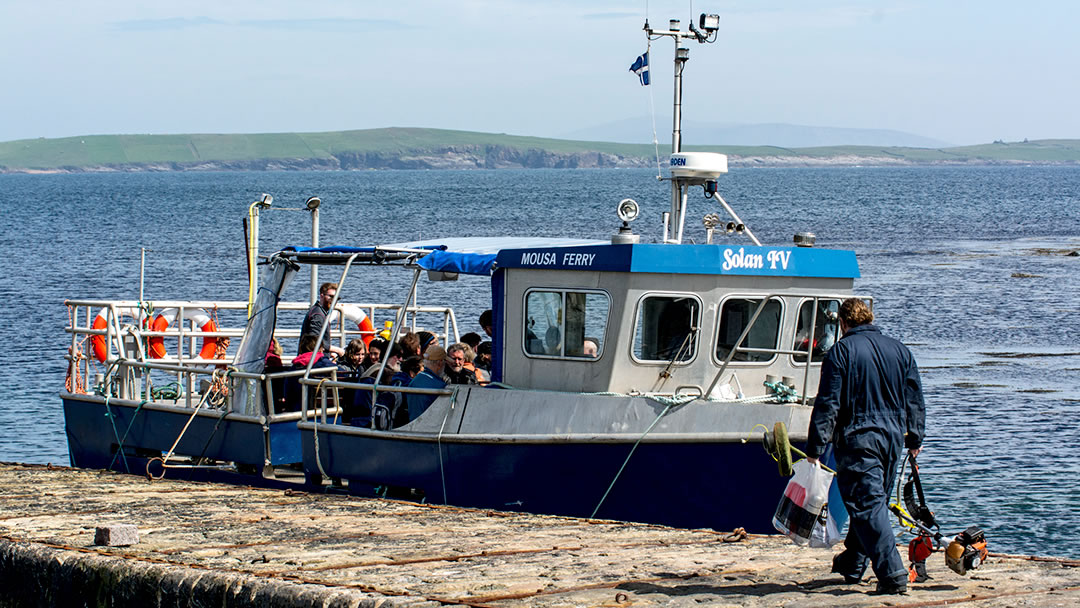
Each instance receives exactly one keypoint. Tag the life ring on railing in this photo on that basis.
(101, 321)
(354, 313)
(166, 317)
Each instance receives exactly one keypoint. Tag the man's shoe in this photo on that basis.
(890, 588)
(851, 569)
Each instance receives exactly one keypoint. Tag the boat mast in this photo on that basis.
(708, 24)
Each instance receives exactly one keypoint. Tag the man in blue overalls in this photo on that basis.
(870, 404)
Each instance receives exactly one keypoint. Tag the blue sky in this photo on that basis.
(960, 71)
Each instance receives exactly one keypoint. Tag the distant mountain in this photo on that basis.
(639, 131)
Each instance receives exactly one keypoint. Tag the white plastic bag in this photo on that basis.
(801, 506)
(830, 527)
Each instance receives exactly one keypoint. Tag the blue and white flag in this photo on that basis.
(641, 68)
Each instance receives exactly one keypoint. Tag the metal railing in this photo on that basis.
(809, 352)
(121, 342)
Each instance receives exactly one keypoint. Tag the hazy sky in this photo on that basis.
(960, 71)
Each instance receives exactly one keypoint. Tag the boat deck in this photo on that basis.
(210, 544)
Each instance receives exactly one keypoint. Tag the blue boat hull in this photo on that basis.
(96, 431)
(692, 485)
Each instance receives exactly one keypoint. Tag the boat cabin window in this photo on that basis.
(565, 324)
(826, 328)
(735, 314)
(666, 328)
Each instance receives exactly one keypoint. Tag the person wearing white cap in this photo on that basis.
(432, 378)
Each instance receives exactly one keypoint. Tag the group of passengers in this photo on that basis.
(416, 360)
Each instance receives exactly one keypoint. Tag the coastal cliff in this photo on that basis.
(399, 148)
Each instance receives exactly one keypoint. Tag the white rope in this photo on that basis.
(652, 111)
(660, 398)
(438, 441)
(315, 420)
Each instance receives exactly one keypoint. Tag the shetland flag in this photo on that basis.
(641, 68)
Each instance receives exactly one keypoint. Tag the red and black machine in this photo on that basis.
(965, 552)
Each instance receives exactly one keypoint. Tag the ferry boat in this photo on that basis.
(698, 347)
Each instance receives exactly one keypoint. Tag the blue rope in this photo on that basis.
(116, 433)
(120, 449)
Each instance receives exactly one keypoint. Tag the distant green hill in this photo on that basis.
(407, 148)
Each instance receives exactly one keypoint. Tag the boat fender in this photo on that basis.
(101, 321)
(357, 315)
(166, 317)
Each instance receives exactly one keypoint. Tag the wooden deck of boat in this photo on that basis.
(206, 544)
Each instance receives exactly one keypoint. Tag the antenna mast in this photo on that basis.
(704, 32)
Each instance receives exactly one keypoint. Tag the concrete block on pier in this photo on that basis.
(116, 535)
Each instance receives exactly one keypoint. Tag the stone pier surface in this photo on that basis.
(232, 546)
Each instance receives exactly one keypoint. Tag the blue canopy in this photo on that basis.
(465, 263)
(468, 255)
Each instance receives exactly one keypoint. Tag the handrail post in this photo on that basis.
(326, 324)
(393, 338)
(810, 348)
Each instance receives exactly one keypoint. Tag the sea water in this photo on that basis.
(968, 266)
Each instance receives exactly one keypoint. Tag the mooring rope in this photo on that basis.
(116, 433)
(438, 441)
(120, 448)
(636, 443)
(315, 420)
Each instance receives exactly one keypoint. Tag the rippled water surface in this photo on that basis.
(967, 266)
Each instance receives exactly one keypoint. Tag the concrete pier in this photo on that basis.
(216, 545)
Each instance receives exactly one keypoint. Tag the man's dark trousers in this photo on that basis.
(865, 477)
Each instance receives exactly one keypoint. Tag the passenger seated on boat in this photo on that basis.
(375, 350)
(410, 367)
(355, 353)
(353, 362)
(273, 364)
(430, 378)
(456, 359)
(358, 411)
(487, 323)
(410, 344)
(482, 376)
(316, 317)
(273, 361)
(473, 339)
(591, 348)
(307, 353)
(483, 357)
(393, 362)
(426, 340)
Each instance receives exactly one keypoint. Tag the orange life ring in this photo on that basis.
(166, 317)
(101, 321)
(357, 315)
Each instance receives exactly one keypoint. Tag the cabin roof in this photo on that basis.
(481, 255)
(689, 259)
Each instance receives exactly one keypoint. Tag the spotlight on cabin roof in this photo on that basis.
(628, 210)
(805, 239)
